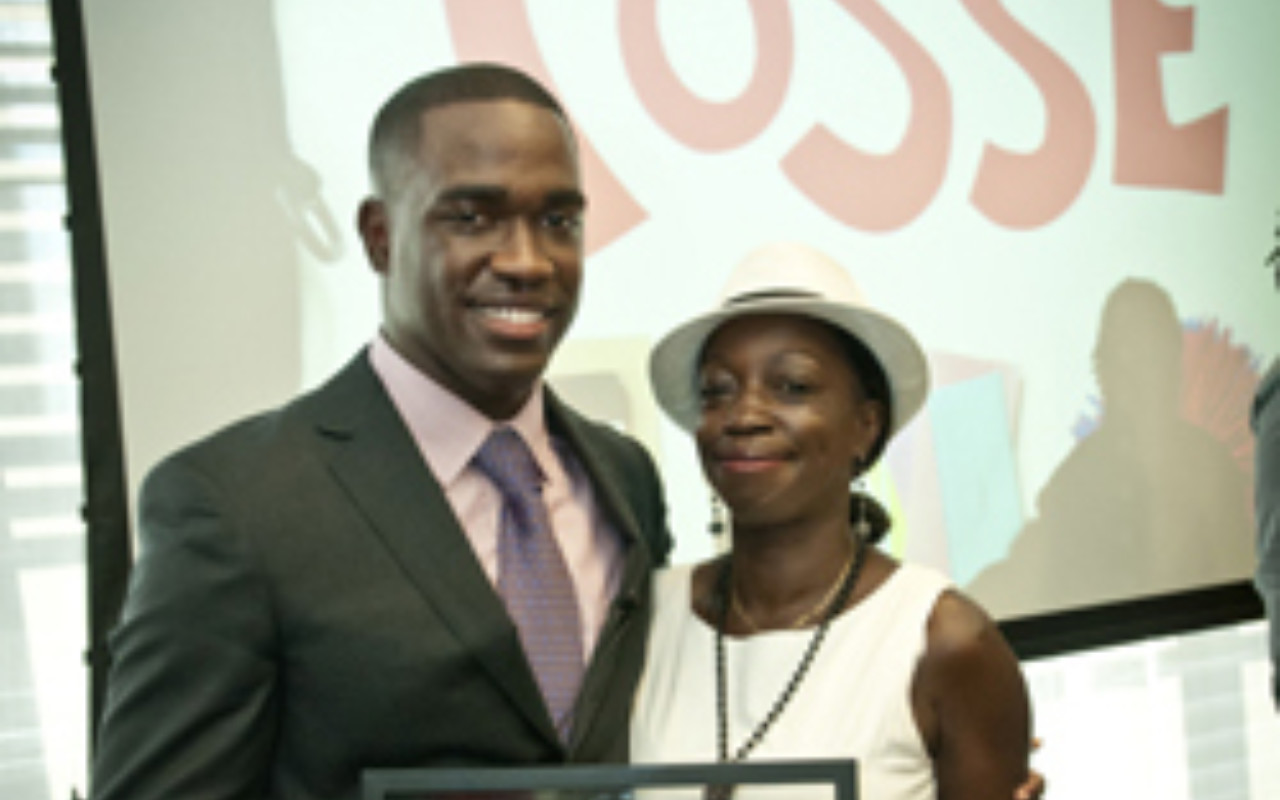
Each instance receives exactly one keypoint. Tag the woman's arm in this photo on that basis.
(971, 705)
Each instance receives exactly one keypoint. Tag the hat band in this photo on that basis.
(770, 294)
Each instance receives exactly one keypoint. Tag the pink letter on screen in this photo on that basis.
(499, 30)
(1024, 190)
(881, 192)
(702, 124)
(1150, 150)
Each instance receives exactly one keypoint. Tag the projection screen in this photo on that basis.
(1069, 203)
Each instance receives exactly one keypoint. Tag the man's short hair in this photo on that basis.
(394, 137)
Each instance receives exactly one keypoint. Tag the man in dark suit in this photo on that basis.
(316, 591)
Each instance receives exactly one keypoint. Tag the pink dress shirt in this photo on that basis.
(448, 432)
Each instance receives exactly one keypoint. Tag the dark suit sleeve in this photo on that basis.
(191, 708)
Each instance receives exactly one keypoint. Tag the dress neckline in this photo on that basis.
(842, 619)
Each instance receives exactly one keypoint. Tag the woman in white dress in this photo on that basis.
(806, 641)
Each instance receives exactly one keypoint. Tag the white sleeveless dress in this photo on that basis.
(854, 702)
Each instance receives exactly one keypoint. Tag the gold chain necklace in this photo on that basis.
(806, 617)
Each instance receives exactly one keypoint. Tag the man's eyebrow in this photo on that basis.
(491, 195)
(479, 193)
(570, 198)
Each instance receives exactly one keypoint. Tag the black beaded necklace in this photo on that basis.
(722, 602)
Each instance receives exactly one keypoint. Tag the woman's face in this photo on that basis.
(784, 419)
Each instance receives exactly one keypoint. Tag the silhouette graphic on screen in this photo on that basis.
(1148, 502)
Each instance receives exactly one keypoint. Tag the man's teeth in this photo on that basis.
(516, 315)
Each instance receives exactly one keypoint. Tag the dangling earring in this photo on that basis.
(717, 524)
(861, 525)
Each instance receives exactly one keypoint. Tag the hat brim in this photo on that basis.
(673, 364)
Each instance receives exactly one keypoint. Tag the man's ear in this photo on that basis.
(375, 232)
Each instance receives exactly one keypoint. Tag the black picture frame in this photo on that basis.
(604, 781)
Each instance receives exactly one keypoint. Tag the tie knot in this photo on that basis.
(507, 461)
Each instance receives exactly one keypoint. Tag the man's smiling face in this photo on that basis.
(483, 249)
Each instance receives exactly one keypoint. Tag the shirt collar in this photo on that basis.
(447, 430)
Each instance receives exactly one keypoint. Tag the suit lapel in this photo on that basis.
(606, 482)
(375, 460)
(626, 611)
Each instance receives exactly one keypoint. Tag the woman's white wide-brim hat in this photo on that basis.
(790, 278)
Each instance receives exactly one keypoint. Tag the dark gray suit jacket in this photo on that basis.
(305, 605)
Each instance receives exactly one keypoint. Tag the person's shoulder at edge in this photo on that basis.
(1268, 392)
(610, 437)
(247, 437)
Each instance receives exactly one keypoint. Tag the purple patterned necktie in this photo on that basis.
(532, 577)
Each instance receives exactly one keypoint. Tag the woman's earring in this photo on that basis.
(717, 524)
(862, 526)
